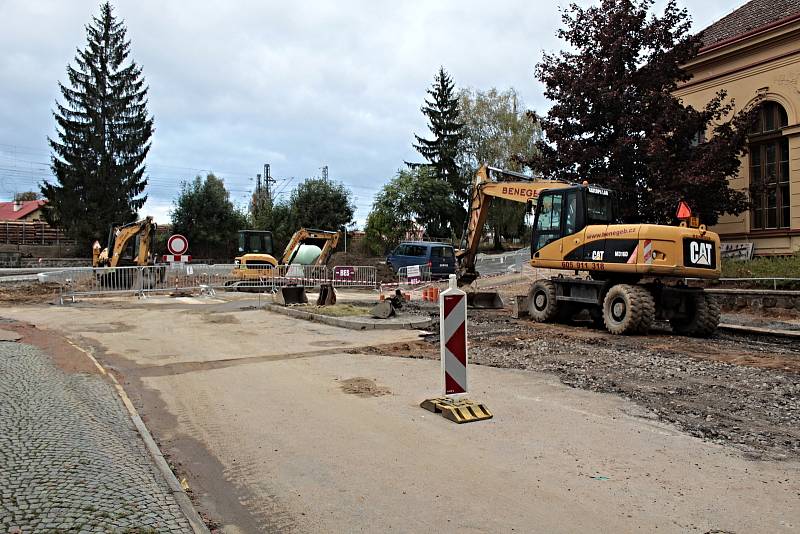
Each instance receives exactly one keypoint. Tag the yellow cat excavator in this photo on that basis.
(256, 263)
(635, 272)
(128, 245)
(256, 249)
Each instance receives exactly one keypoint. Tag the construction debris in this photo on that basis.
(327, 295)
(291, 295)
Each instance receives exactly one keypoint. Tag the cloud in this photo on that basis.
(234, 85)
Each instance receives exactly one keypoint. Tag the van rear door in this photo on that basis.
(443, 260)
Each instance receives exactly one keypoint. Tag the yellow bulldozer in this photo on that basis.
(256, 265)
(635, 273)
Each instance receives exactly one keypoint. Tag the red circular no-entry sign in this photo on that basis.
(177, 244)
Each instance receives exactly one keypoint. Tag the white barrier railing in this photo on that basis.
(354, 276)
(88, 281)
(413, 275)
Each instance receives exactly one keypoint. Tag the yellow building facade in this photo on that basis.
(754, 55)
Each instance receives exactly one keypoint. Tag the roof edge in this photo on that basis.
(745, 35)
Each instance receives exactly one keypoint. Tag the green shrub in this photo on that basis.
(765, 267)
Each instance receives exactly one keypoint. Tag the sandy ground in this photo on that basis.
(290, 426)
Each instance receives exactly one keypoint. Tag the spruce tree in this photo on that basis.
(442, 152)
(102, 137)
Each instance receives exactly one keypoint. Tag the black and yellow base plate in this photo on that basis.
(457, 410)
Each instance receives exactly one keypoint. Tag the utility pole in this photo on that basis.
(268, 181)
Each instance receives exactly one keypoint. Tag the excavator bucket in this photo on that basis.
(327, 295)
(484, 300)
(383, 310)
(291, 295)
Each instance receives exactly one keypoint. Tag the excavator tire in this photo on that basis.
(628, 309)
(596, 315)
(648, 308)
(703, 317)
(542, 304)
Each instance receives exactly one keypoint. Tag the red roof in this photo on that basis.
(27, 207)
(751, 16)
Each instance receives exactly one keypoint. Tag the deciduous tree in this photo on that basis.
(616, 122)
(204, 213)
(499, 131)
(414, 199)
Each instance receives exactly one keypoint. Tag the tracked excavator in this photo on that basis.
(256, 262)
(634, 273)
(129, 245)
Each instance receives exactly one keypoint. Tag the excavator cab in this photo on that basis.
(255, 242)
(567, 211)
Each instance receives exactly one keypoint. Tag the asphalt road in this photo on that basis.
(260, 413)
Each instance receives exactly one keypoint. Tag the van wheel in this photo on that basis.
(542, 304)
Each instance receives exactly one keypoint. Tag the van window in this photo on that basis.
(442, 252)
(416, 250)
(401, 250)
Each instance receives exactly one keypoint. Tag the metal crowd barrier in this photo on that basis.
(89, 281)
(354, 276)
(413, 275)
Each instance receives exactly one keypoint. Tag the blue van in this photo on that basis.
(440, 257)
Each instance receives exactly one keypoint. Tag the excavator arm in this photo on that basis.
(489, 183)
(115, 254)
(325, 240)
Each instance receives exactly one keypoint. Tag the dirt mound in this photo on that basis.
(27, 292)
(363, 387)
(385, 273)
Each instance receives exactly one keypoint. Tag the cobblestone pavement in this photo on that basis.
(70, 458)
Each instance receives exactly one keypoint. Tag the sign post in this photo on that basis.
(454, 405)
(414, 274)
(177, 246)
(453, 336)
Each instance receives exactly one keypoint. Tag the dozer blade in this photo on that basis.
(291, 295)
(327, 295)
(484, 300)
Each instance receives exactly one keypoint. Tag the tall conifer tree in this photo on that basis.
(442, 152)
(102, 136)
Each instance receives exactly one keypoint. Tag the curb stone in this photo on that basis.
(411, 324)
(185, 504)
(759, 330)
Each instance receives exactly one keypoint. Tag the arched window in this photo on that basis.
(769, 169)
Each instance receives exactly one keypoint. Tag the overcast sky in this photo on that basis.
(236, 84)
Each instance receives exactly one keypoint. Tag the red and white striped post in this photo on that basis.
(453, 339)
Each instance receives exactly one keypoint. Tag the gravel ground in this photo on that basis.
(737, 390)
(70, 458)
(752, 403)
